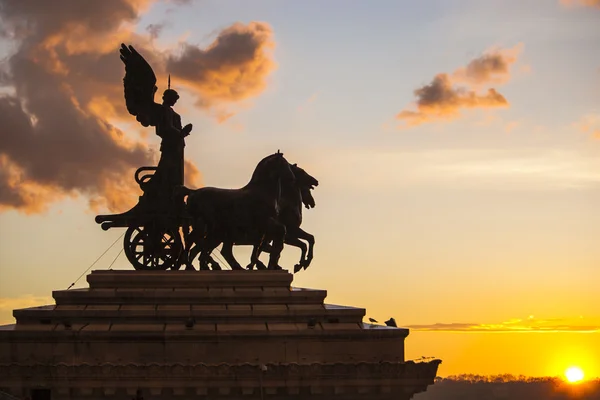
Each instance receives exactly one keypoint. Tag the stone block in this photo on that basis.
(191, 292)
(238, 310)
(125, 327)
(341, 326)
(137, 310)
(170, 307)
(316, 389)
(130, 292)
(161, 294)
(102, 307)
(177, 327)
(269, 309)
(35, 327)
(293, 390)
(97, 327)
(179, 391)
(282, 327)
(70, 307)
(235, 328)
(252, 292)
(239, 307)
(75, 327)
(306, 307)
(85, 391)
(305, 327)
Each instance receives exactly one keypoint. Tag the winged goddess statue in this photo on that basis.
(140, 86)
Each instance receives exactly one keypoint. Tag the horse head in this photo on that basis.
(305, 183)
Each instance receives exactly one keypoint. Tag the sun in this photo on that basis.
(574, 374)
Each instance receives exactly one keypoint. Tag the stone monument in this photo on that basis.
(163, 333)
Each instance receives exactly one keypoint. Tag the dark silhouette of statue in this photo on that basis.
(139, 78)
(153, 240)
(230, 215)
(294, 194)
(170, 170)
(265, 213)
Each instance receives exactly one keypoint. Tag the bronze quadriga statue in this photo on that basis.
(163, 231)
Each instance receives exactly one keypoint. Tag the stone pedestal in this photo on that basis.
(205, 335)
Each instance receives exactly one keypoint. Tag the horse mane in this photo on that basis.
(259, 170)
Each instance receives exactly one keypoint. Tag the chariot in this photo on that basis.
(157, 227)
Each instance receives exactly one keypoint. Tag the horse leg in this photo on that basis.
(208, 263)
(255, 261)
(192, 248)
(266, 247)
(184, 257)
(293, 240)
(227, 253)
(206, 260)
(258, 248)
(192, 253)
(277, 233)
(301, 234)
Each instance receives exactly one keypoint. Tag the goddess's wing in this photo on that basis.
(139, 86)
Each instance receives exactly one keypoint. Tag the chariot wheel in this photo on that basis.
(152, 249)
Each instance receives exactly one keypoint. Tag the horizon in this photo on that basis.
(457, 148)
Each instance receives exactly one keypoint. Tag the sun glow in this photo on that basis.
(574, 374)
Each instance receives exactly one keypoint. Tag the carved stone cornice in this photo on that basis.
(425, 371)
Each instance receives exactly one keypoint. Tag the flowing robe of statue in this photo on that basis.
(170, 170)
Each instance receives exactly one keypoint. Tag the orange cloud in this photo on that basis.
(515, 325)
(441, 100)
(232, 68)
(448, 94)
(492, 67)
(588, 3)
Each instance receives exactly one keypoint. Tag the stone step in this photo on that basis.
(188, 279)
(230, 313)
(202, 295)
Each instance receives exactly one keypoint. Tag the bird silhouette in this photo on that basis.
(373, 320)
(391, 322)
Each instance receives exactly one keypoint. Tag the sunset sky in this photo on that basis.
(456, 143)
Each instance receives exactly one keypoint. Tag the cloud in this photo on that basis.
(52, 142)
(61, 96)
(527, 325)
(154, 30)
(491, 67)
(232, 68)
(448, 94)
(588, 3)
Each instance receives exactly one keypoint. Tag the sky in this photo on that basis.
(456, 144)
